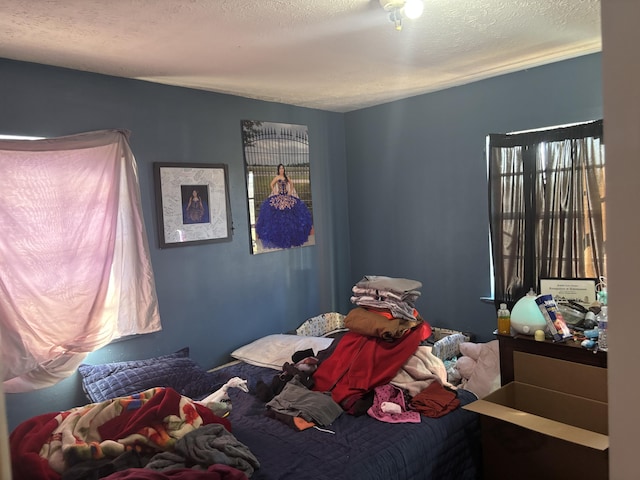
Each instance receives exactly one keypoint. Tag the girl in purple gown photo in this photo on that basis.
(284, 220)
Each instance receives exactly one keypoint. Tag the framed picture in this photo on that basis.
(192, 203)
(581, 290)
(278, 185)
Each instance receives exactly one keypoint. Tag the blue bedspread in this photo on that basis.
(360, 448)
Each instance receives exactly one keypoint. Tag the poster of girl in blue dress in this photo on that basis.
(278, 185)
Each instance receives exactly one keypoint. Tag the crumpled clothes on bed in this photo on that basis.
(359, 363)
(205, 446)
(419, 371)
(366, 322)
(100, 468)
(302, 370)
(435, 401)
(398, 309)
(297, 400)
(386, 398)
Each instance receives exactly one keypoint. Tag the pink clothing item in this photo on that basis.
(389, 394)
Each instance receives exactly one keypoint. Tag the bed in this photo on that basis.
(358, 447)
(351, 447)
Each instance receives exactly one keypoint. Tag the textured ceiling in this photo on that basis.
(336, 55)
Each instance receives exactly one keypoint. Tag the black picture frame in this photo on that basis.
(207, 218)
(582, 290)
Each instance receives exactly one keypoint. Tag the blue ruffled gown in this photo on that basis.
(284, 220)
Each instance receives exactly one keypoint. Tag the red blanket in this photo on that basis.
(42, 446)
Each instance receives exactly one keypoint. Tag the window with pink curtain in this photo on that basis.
(75, 270)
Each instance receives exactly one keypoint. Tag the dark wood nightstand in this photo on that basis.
(569, 350)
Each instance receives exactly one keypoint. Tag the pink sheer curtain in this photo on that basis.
(75, 268)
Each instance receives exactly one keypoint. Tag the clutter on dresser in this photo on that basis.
(565, 310)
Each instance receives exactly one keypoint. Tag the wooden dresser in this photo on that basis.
(569, 350)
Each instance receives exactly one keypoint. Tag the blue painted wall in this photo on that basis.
(417, 181)
(398, 189)
(215, 297)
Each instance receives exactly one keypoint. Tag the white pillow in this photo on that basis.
(273, 351)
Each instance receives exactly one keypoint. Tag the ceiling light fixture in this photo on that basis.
(399, 9)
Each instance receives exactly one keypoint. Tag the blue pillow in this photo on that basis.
(121, 379)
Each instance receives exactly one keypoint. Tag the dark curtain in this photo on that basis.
(546, 207)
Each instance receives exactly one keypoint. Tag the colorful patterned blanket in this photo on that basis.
(152, 421)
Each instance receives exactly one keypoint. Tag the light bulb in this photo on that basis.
(396, 19)
(413, 9)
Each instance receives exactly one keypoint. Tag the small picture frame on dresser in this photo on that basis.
(580, 290)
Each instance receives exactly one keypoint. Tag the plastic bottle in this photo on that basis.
(603, 321)
(504, 320)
